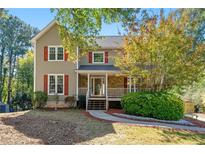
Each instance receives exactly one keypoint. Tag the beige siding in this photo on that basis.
(52, 37)
(111, 55)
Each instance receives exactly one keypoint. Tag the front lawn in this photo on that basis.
(73, 127)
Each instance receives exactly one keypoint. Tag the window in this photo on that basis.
(56, 53)
(52, 53)
(56, 85)
(98, 57)
(60, 53)
(60, 84)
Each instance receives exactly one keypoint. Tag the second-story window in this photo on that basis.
(56, 53)
(98, 57)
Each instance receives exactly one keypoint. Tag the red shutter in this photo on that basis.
(66, 85)
(46, 84)
(90, 57)
(125, 82)
(45, 53)
(106, 57)
(65, 55)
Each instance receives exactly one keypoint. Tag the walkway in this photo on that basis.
(197, 116)
(104, 116)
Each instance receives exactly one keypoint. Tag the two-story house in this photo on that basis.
(93, 75)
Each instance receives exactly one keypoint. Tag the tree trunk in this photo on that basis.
(1, 72)
(10, 77)
(9, 82)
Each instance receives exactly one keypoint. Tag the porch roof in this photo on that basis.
(98, 68)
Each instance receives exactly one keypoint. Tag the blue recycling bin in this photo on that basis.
(4, 108)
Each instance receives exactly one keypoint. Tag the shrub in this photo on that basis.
(160, 105)
(39, 99)
(70, 100)
(21, 101)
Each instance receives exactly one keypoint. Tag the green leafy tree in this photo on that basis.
(158, 51)
(78, 27)
(24, 74)
(196, 24)
(14, 42)
(3, 13)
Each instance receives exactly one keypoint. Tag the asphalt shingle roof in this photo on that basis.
(99, 67)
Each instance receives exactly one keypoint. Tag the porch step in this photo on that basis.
(96, 105)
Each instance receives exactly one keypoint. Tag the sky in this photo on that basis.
(40, 17)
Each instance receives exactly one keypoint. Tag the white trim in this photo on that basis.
(106, 91)
(43, 31)
(98, 71)
(94, 52)
(130, 84)
(77, 54)
(34, 71)
(134, 85)
(56, 52)
(88, 82)
(55, 84)
(93, 85)
(77, 77)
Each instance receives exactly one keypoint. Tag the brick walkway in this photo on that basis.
(104, 116)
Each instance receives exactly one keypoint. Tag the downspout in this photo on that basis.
(34, 72)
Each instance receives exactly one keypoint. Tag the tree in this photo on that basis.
(3, 44)
(158, 51)
(14, 42)
(3, 13)
(24, 74)
(196, 26)
(78, 27)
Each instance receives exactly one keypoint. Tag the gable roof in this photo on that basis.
(43, 31)
(103, 41)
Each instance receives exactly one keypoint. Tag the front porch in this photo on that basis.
(100, 88)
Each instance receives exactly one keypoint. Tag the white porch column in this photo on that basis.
(134, 85)
(88, 86)
(77, 78)
(130, 84)
(77, 66)
(87, 94)
(106, 90)
(77, 60)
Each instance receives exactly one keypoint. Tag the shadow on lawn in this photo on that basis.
(170, 136)
(51, 130)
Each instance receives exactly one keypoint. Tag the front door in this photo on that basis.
(98, 86)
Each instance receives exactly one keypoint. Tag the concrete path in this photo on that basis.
(180, 122)
(104, 116)
(197, 116)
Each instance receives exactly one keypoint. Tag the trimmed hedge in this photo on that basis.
(160, 105)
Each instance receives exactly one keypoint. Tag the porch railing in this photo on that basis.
(82, 91)
(117, 92)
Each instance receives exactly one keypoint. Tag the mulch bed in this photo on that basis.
(37, 130)
(111, 111)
